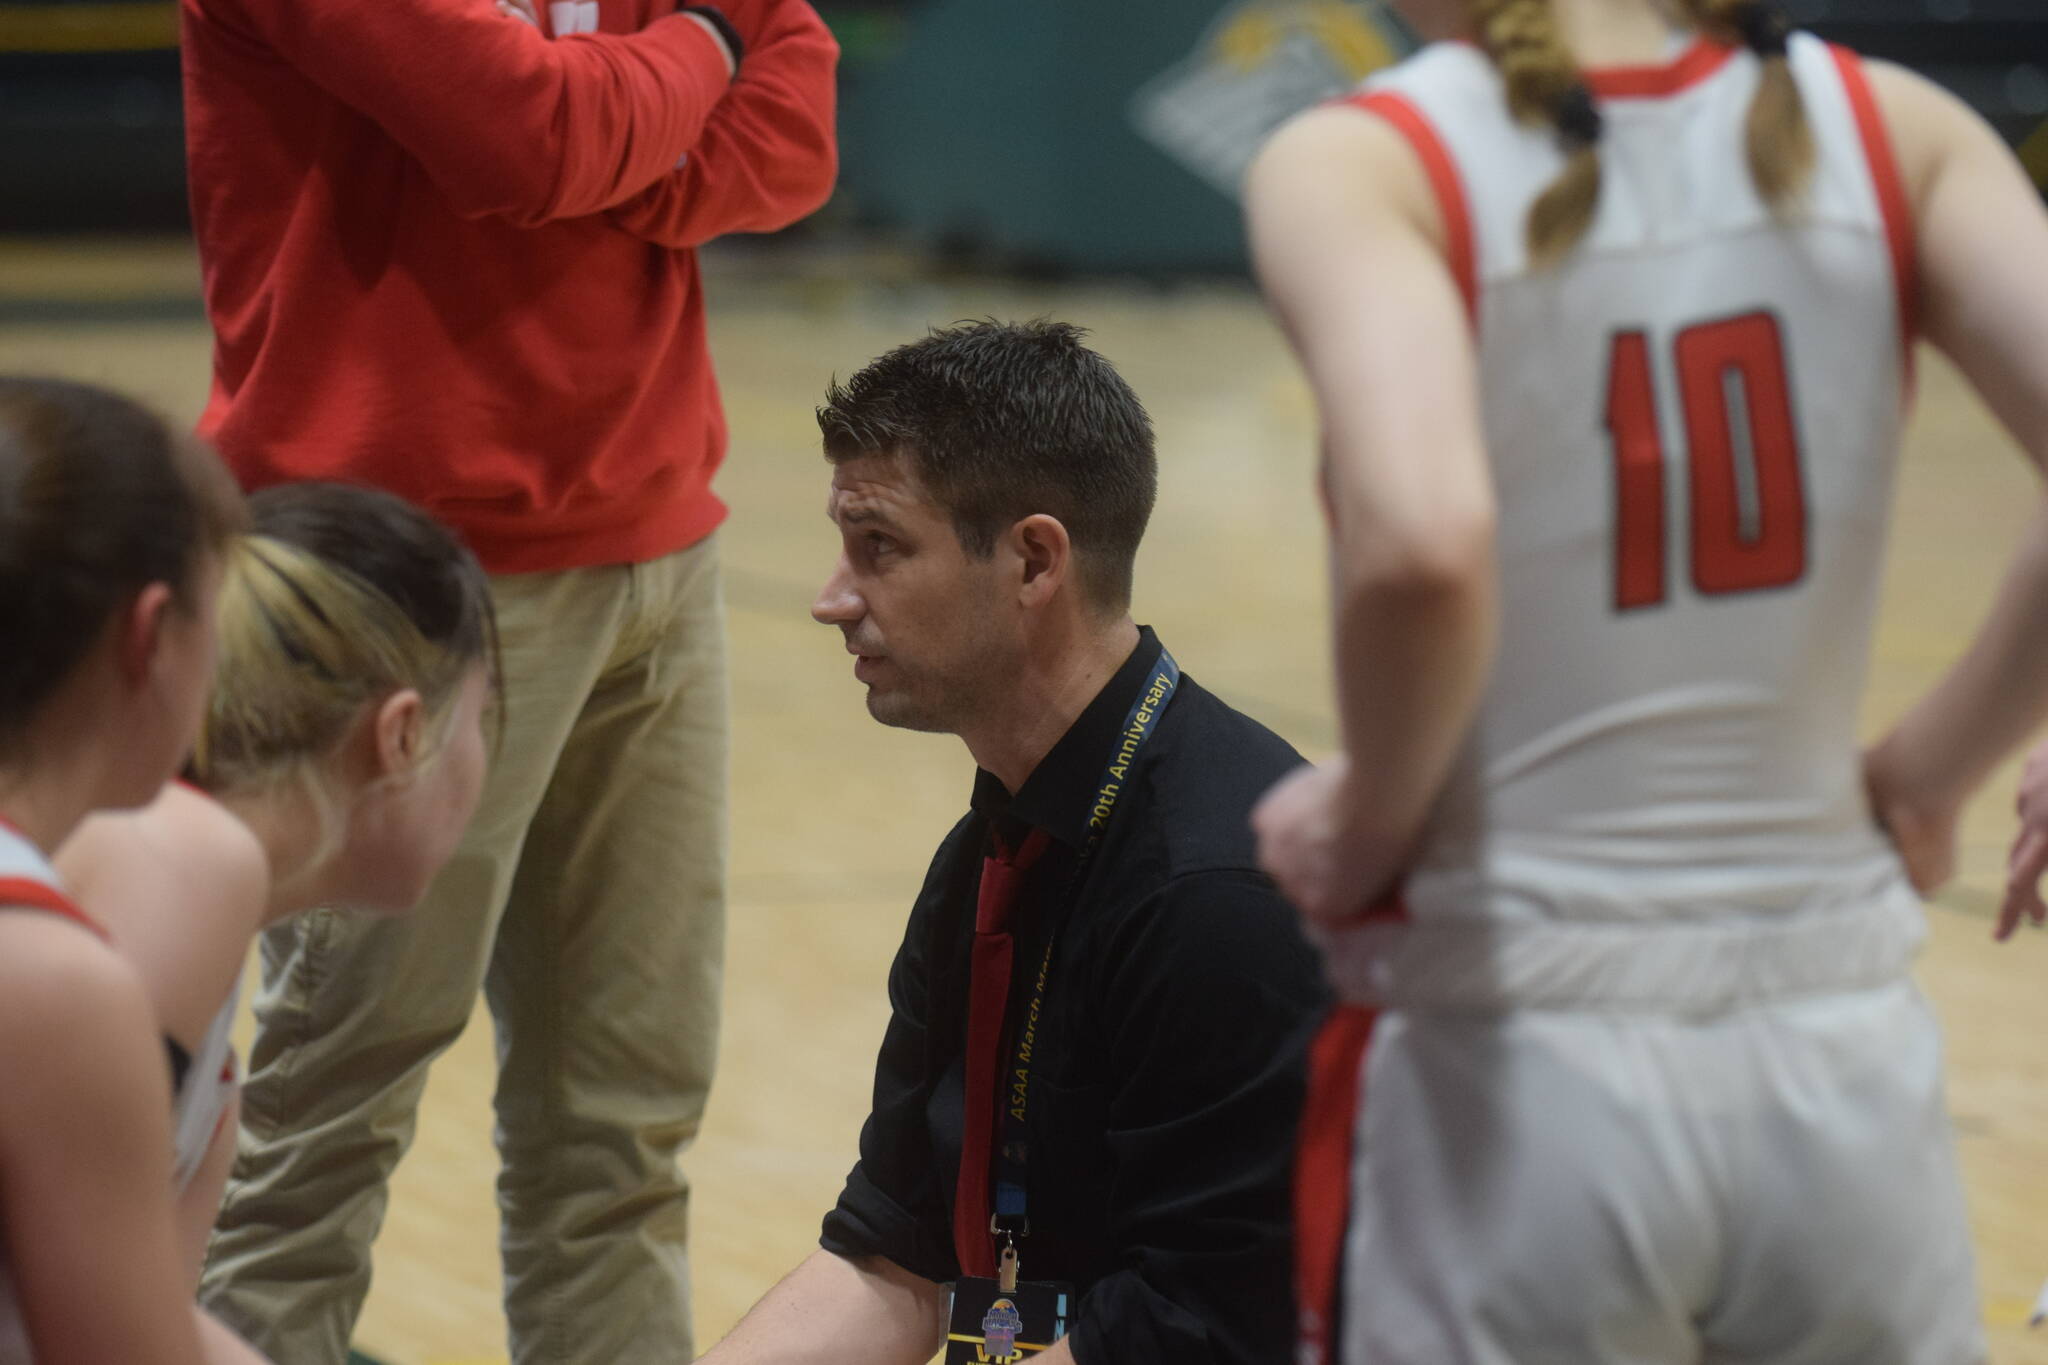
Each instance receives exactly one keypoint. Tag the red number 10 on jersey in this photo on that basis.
(1746, 497)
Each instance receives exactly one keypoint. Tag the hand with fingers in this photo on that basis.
(1317, 847)
(1298, 824)
(2028, 860)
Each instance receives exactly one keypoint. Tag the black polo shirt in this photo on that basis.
(1168, 1076)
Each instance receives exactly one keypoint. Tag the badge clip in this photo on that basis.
(1006, 1268)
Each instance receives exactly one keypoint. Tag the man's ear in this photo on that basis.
(1046, 556)
(399, 733)
(141, 633)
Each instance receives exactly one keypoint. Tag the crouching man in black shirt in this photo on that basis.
(1094, 1066)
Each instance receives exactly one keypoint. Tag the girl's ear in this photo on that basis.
(141, 635)
(400, 732)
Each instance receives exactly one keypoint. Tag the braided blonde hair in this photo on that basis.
(1544, 87)
(304, 646)
(337, 598)
(1541, 74)
(1781, 149)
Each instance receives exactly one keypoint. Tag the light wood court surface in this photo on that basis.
(834, 818)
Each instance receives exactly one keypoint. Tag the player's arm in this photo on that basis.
(832, 1309)
(85, 1168)
(504, 121)
(1982, 236)
(769, 151)
(1347, 243)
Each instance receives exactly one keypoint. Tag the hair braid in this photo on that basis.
(1781, 148)
(1544, 88)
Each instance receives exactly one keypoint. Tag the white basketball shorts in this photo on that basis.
(1773, 1184)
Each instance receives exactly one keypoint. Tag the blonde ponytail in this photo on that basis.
(1544, 88)
(1781, 147)
(305, 646)
(338, 598)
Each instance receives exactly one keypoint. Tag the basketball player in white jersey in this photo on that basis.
(341, 757)
(111, 535)
(1608, 311)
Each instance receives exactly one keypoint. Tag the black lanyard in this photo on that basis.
(1013, 1152)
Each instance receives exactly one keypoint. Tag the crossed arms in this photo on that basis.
(652, 126)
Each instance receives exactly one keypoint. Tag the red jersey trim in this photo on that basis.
(1322, 1176)
(1891, 195)
(1414, 125)
(1697, 63)
(21, 893)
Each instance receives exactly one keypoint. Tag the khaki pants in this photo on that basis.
(588, 901)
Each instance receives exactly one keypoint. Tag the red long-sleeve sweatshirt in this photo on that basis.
(449, 255)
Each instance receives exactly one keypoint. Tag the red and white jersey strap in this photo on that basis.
(1444, 182)
(28, 882)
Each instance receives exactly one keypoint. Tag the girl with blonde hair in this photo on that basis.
(1608, 308)
(339, 761)
(112, 535)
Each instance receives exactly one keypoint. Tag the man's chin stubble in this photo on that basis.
(899, 714)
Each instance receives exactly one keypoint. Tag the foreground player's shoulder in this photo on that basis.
(1930, 127)
(1367, 178)
(86, 1104)
(63, 994)
(1343, 157)
(1377, 126)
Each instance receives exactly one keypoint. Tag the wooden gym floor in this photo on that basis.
(835, 817)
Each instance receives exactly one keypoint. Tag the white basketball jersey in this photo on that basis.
(1693, 423)
(210, 1085)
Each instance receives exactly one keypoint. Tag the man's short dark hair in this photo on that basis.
(1004, 420)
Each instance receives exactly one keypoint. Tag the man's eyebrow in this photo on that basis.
(859, 514)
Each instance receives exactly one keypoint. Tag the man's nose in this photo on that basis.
(837, 604)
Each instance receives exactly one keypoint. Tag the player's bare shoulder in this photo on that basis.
(61, 987)
(182, 854)
(1929, 124)
(182, 885)
(1341, 152)
(220, 850)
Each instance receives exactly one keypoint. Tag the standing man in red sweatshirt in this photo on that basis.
(448, 252)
